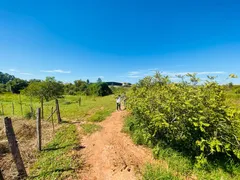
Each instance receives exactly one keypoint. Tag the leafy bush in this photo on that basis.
(191, 118)
(99, 89)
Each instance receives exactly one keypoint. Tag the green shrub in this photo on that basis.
(192, 118)
(99, 89)
(29, 115)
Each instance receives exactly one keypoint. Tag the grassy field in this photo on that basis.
(69, 107)
(60, 158)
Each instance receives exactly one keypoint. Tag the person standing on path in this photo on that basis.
(118, 101)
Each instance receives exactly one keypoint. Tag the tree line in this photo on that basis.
(51, 88)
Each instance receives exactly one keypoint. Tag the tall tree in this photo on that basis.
(4, 78)
(99, 80)
(16, 85)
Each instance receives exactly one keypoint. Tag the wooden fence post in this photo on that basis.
(42, 107)
(1, 176)
(14, 148)
(39, 130)
(52, 120)
(2, 109)
(12, 108)
(58, 112)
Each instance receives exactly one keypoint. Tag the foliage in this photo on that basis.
(81, 86)
(99, 89)
(119, 90)
(2, 88)
(99, 80)
(4, 78)
(189, 117)
(47, 89)
(16, 85)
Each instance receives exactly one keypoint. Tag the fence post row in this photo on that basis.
(58, 112)
(39, 133)
(14, 148)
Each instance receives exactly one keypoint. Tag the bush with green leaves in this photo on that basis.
(190, 117)
(99, 89)
(48, 89)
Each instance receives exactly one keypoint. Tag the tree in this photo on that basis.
(99, 80)
(48, 89)
(99, 89)
(16, 85)
(4, 78)
(81, 86)
(34, 80)
(70, 89)
(54, 88)
(2, 88)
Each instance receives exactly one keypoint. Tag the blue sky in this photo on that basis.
(119, 40)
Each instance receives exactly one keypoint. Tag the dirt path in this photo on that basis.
(111, 154)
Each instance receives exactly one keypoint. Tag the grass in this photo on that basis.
(178, 166)
(157, 173)
(56, 161)
(90, 128)
(101, 115)
(59, 160)
(70, 110)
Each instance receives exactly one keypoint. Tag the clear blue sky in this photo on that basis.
(119, 40)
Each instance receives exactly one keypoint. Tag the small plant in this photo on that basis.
(29, 115)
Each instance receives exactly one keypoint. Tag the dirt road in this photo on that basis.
(111, 155)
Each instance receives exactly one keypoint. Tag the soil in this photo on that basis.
(111, 154)
(25, 132)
